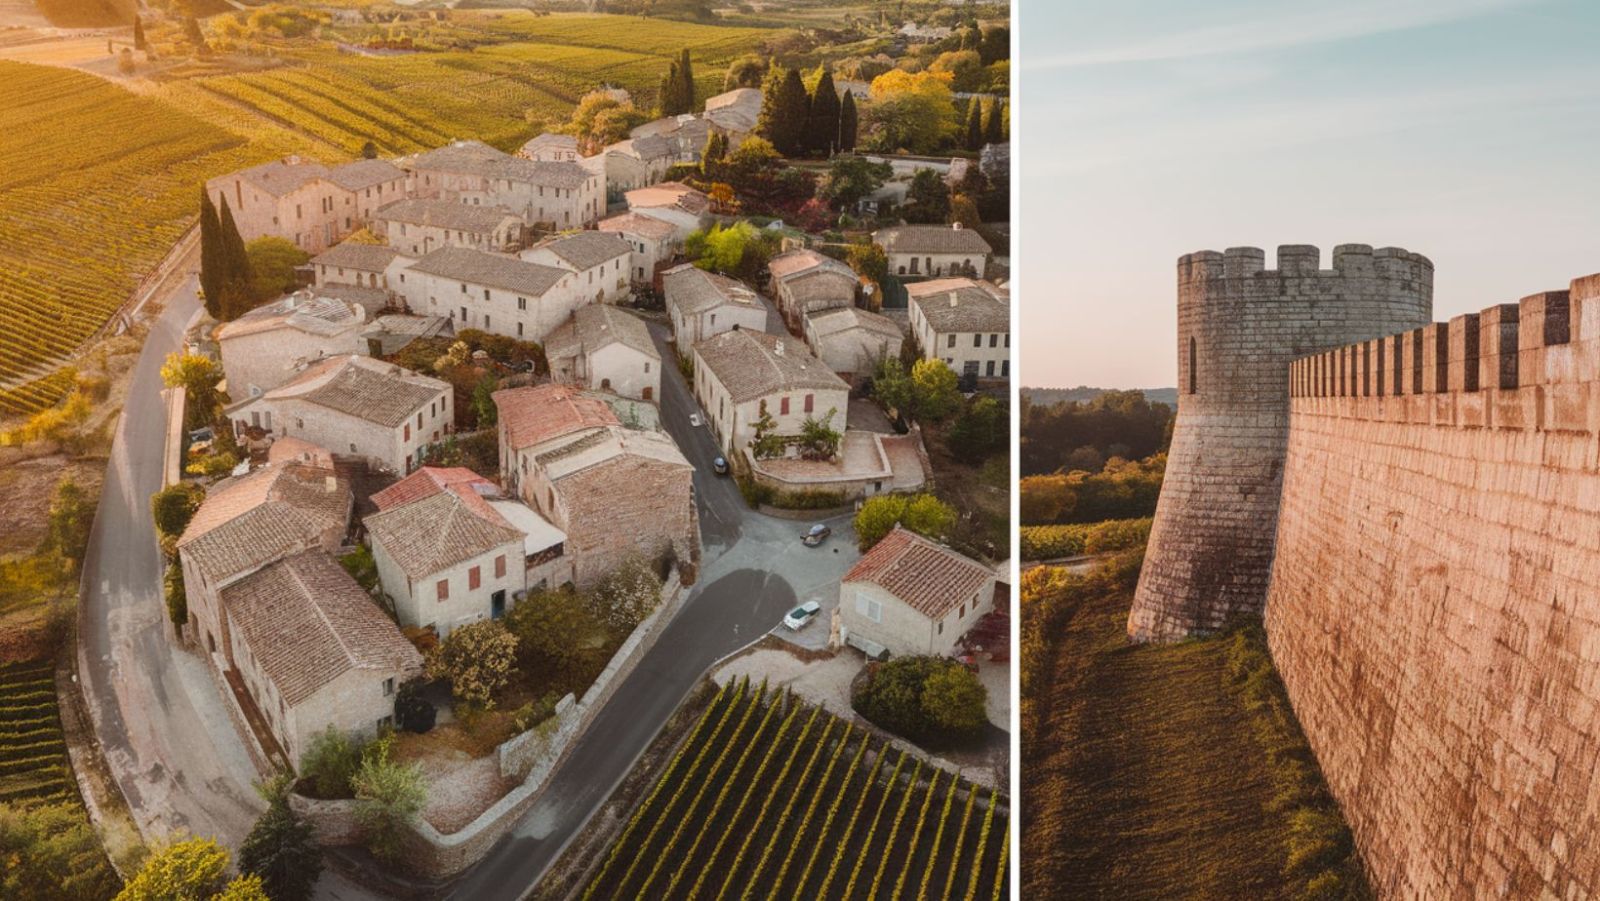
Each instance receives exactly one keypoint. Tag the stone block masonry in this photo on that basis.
(1434, 606)
(1240, 325)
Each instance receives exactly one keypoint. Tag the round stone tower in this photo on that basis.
(1239, 326)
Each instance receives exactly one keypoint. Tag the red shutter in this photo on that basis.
(783, 407)
(443, 589)
(500, 567)
(809, 399)
(474, 577)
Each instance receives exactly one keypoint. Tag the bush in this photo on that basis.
(807, 499)
(921, 513)
(174, 506)
(478, 659)
(281, 849)
(1053, 542)
(627, 595)
(329, 764)
(391, 795)
(932, 701)
(413, 712)
(558, 629)
(177, 598)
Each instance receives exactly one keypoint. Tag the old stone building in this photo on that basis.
(741, 376)
(305, 202)
(910, 595)
(555, 194)
(274, 343)
(852, 341)
(417, 227)
(703, 304)
(607, 349)
(805, 281)
(599, 261)
(964, 323)
(655, 243)
(363, 265)
(498, 294)
(934, 251)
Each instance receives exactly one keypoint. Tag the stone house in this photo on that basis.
(551, 148)
(851, 340)
(734, 113)
(688, 134)
(740, 374)
(604, 348)
(417, 227)
(912, 596)
(273, 343)
(638, 162)
(445, 555)
(615, 492)
(600, 260)
(655, 243)
(934, 250)
(285, 629)
(805, 281)
(553, 194)
(362, 265)
(703, 304)
(357, 405)
(498, 294)
(304, 201)
(963, 322)
(684, 208)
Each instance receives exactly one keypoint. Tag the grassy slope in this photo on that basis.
(1143, 777)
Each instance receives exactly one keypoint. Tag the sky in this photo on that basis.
(1464, 130)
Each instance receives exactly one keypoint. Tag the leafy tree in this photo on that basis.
(677, 87)
(363, 236)
(974, 131)
(478, 659)
(272, 265)
(330, 763)
(965, 68)
(558, 630)
(869, 261)
(848, 123)
(483, 401)
(979, 430)
(390, 796)
(213, 263)
(745, 72)
(738, 250)
(686, 81)
(281, 849)
(172, 507)
(953, 700)
(921, 513)
(600, 119)
(716, 150)
(784, 108)
(70, 520)
(910, 111)
(192, 870)
(934, 384)
(852, 178)
(369, 151)
(244, 888)
(198, 374)
(1114, 424)
(50, 852)
(927, 199)
(996, 44)
(627, 595)
(930, 700)
(822, 124)
(994, 128)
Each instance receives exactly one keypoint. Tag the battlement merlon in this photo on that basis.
(1305, 260)
(1543, 339)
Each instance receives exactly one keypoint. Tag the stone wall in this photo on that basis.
(1240, 325)
(1434, 606)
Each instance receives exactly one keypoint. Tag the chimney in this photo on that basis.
(952, 298)
(778, 348)
(955, 226)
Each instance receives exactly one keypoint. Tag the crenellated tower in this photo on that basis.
(1240, 325)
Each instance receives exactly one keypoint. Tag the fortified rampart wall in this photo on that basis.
(1240, 325)
(1434, 606)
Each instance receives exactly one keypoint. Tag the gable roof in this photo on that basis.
(303, 311)
(586, 249)
(248, 520)
(631, 223)
(363, 174)
(285, 176)
(594, 326)
(669, 194)
(736, 110)
(842, 320)
(693, 290)
(445, 214)
(534, 415)
(491, 269)
(549, 141)
(424, 531)
(381, 393)
(307, 623)
(752, 365)
(355, 255)
(960, 305)
(802, 262)
(930, 239)
(930, 578)
(479, 159)
(610, 447)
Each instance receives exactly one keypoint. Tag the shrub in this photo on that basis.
(807, 499)
(1052, 542)
(557, 629)
(478, 659)
(329, 764)
(361, 567)
(921, 513)
(391, 795)
(177, 599)
(413, 712)
(281, 849)
(172, 507)
(193, 869)
(627, 595)
(51, 853)
(930, 700)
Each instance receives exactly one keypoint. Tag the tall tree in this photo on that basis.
(282, 848)
(716, 150)
(212, 262)
(138, 33)
(974, 134)
(238, 287)
(994, 127)
(686, 81)
(784, 108)
(745, 72)
(847, 123)
(822, 123)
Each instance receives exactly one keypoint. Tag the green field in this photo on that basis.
(96, 182)
(770, 797)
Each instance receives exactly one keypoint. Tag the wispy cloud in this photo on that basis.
(1278, 30)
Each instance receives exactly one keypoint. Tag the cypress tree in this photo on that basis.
(822, 126)
(686, 82)
(789, 106)
(994, 130)
(282, 849)
(664, 91)
(138, 33)
(238, 292)
(847, 123)
(211, 250)
(974, 137)
(716, 150)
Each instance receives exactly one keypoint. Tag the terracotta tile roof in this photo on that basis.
(307, 623)
(594, 326)
(372, 390)
(535, 415)
(436, 531)
(251, 519)
(492, 269)
(586, 249)
(635, 224)
(751, 365)
(931, 239)
(930, 578)
(427, 482)
(445, 214)
(785, 266)
(961, 305)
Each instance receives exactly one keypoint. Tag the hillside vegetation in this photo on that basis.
(87, 13)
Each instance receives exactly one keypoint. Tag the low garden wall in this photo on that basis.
(533, 755)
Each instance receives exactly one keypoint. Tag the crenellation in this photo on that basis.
(1463, 362)
(1298, 259)
(1497, 346)
(1354, 259)
(1242, 262)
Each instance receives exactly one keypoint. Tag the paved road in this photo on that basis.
(166, 735)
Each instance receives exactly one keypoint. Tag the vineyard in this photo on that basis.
(33, 757)
(773, 798)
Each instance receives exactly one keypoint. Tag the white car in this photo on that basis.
(694, 419)
(801, 615)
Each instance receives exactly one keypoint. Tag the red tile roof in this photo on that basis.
(930, 578)
(535, 415)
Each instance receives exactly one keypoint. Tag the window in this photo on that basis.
(941, 627)
(869, 608)
(809, 402)
(1005, 368)
(1192, 380)
(388, 686)
(408, 432)
(485, 293)
(500, 567)
(950, 341)
(442, 589)
(977, 340)
(646, 365)
(419, 419)
(961, 612)
(522, 303)
(519, 330)
(989, 370)
(474, 577)
(994, 339)
(463, 289)
(783, 407)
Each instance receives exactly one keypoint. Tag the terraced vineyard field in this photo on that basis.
(33, 757)
(773, 798)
